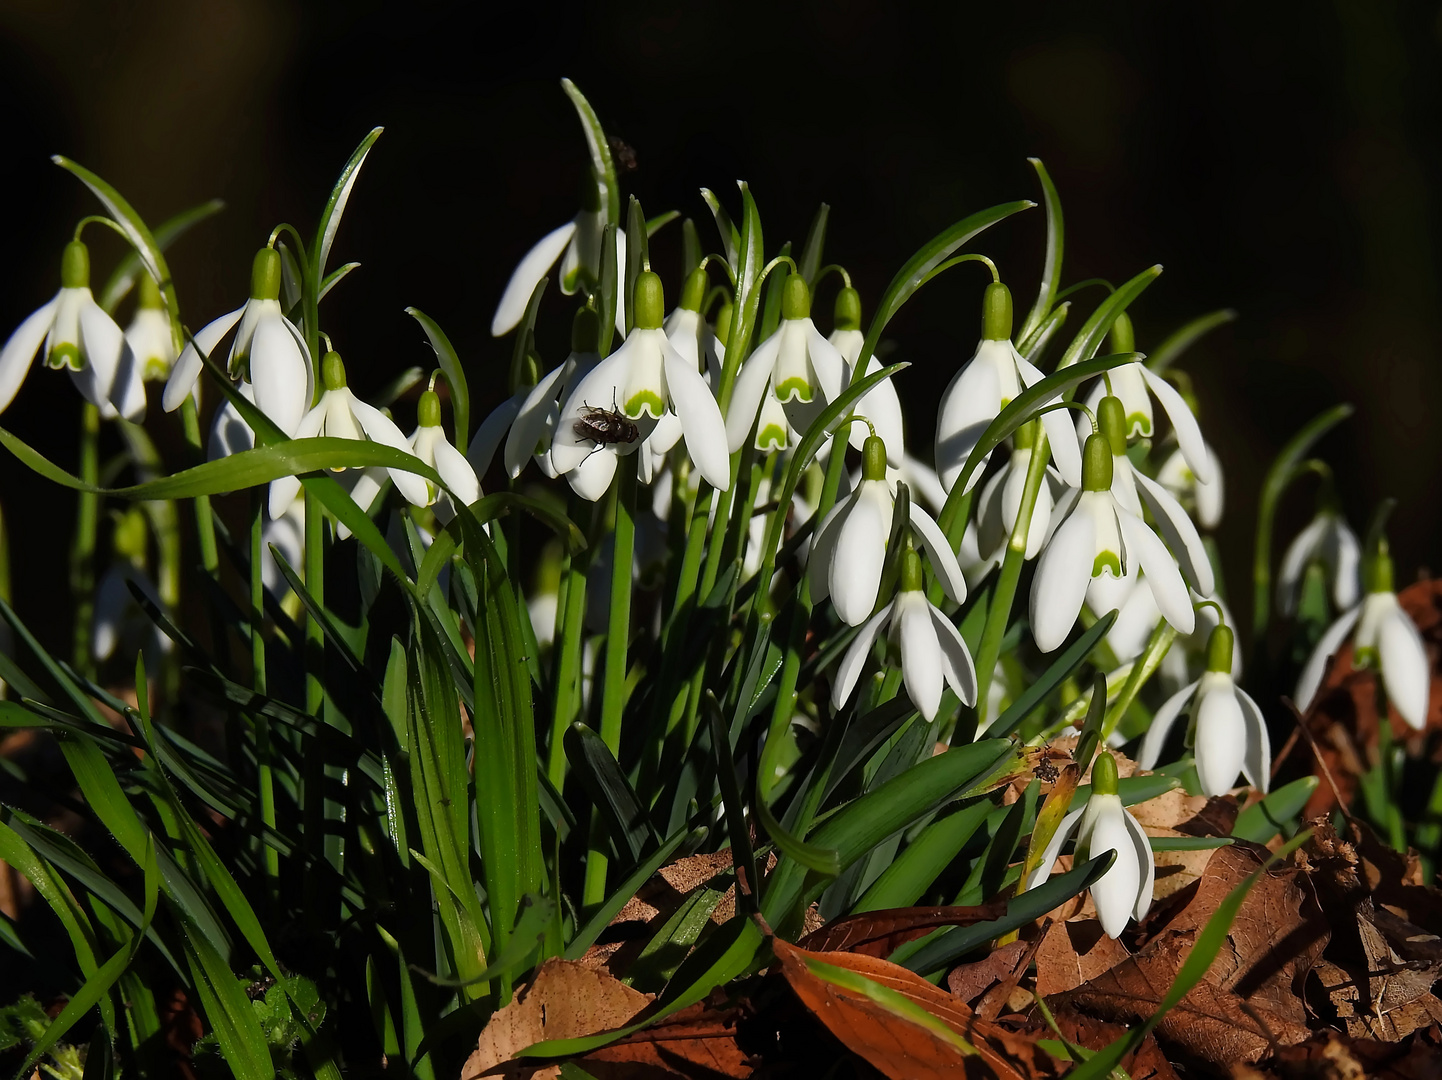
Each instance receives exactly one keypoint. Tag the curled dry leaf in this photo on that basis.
(699, 1042)
(1072, 953)
(880, 933)
(565, 1000)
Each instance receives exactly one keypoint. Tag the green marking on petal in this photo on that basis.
(795, 388)
(1139, 424)
(66, 354)
(1107, 560)
(771, 437)
(645, 401)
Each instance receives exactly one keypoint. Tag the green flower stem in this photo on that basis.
(1142, 669)
(1391, 812)
(82, 548)
(618, 632)
(999, 613)
(258, 681)
(570, 640)
(165, 526)
(204, 523)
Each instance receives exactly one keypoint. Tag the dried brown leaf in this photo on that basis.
(880, 933)
(1072, 953)
(698, 1043)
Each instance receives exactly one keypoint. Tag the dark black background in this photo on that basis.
(1281, 158)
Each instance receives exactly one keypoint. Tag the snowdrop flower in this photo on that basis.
(848, 550)
(578, 245)
(1206, 499)
(429, 443)
(286, 534)
(995, 375)
(620, 402)
(1386, 639)
(1001, 499)
(1135, 384)
(1102, 825)
(339, 414)
(148, 334)
(118, 618)
(1227, 733)
(690, 334)
(928, 645)
(78, 335)
(268, 352)
(1327, 540)
(788, 380)
(880, 404)
(1099, 537)
(534, 427)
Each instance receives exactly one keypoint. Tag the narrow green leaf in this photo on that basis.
(1188, 843)
(660, 221)
(925, 859)
(122, 278)
(823, 860)
(596, 769)
(603, 169)
(336, 204)
(730, 238)
(815, 247)
(1070, 659)
(1185, 336)
(1095, 329)
(1263, 820)
(535, 917)
(586, 936)
(690, 248)
(231, 1015)
(1051, 261)
(608, 292)
(451, 367)
(637, 258)
(121, 212)
(335, 277)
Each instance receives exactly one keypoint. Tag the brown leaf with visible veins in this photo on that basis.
(896, 1045)
(1146, 1062)
(566, 1000)
(1072, 953)
(880, 933)
(967, 982)
(698, 1043)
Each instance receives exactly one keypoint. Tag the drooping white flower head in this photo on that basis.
(148, 334)
(1135, 384)
(995, 375)
(339, 414)
(880, 405)
(786, 383)
(1327, 540)
(534, 426)
(622, 401)
(79, 336)
(1100, 537)
(578, 245)
(691, 335)
(929, 647)
(848, 549)
(1207, 500)
(1386, 639)
(1125, 891)
(1227, 732)
(268, 353)
(429, 443)
(118, 619)
(286, 534)
(1000, 501)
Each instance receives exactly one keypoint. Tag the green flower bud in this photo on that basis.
(996, 312)
(1377, 571)
(332, 371)
(873, 458)
(911, 576)
(428, 412)
(265, 275)
(795, 298)
(585, 330)
(1112, 421)
(75, 266)
(147, 293)
(1123, 337)
(724, 315)
(1097, 464)
(693, 293)
(648, 302)
(1104, 775)
(848, 309)
(1219, 650)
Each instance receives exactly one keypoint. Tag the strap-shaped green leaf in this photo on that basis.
(1263, 820)
(451, 368)
(1185, 336)
(124, 215)
(603, 167)
(1071, 659)
(336, 204)
(1051, 261)
(122, 278)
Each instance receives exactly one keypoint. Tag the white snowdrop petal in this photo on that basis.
(534, 265)
(827, 362)
(1115, 893)
(533, 418)
(921, 657)
(1211, 496)
(1181, 535)
(933, 541)
(487, 439)
(111, 600)
(186, 372)
(701, 422)
(280, 374)
(456, 471)
(600, 388)
(1330, 641)
(1257, 764)
(1294, 564)
(1221, 739)
(1184, 423)
(882, 407)
(752, 384)
(1062, 574)
(969, 403)
(1145, 861)
(1344, 558)
(860, 553)
(1170, 591)
(20, 349)
(1162, 721)
(854, 661)
(924, 482)
(1137, 617)
(118, 371)
(382, 429)
(592, 478)
(957, 666)
(1060, 431)
(1053, 850)
(823, 551)
(1405, 671)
